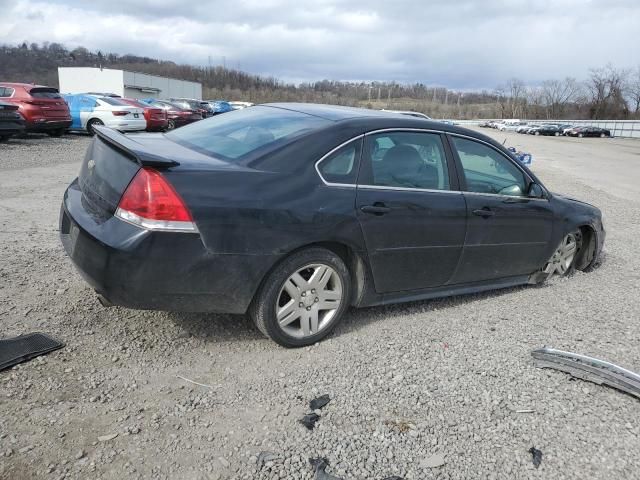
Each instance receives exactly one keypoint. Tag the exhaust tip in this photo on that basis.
(104, 302)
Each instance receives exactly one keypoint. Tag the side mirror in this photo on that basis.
(535, 191)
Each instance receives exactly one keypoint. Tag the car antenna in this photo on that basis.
(505, 141)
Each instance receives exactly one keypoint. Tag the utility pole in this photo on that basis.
(369, 93)
(378, 94)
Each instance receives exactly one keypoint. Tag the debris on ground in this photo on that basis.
(309, 420)
(25, 347)
(106, 438)
(536, 456)
(265, 457)
(434, 461)
(320, 402)
(319, 466)
(588, 368)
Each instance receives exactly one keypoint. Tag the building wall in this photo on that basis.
(87, 79)
(125, 84)
(141, 85)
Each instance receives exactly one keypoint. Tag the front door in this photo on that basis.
(411, 213)
(508, 233)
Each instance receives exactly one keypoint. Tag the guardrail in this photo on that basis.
(618, 128)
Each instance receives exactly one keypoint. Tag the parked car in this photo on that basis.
(90, 111)
(236, 105)
(203, 108)
(510, 126)
(176, 115)
(411, 113)
(220, 106)
(104, 94)
(524, 128)
(295, 212)
(589, 132)
(548, 130)
(11, 122)
(156, 118)
(42, 108)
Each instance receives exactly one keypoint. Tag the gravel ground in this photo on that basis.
(422, 390)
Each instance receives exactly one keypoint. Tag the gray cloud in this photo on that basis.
(461, 44)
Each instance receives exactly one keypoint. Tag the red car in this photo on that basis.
(157, 120)
(177, 116)
(43, 108)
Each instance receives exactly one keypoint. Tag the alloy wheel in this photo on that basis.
(308, 300)
(563, 257)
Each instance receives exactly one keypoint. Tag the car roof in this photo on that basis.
(24, 85)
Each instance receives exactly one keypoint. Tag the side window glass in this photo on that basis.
(406, 160)
(342, 165)
(487, 171)
(6, 92)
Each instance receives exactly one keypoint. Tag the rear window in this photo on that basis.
(114, 101)
(239, 133)
(44, 93)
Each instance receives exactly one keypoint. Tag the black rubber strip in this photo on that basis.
(25, 347)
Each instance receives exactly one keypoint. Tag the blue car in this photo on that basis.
(220, 106)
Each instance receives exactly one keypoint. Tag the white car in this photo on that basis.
(240, 105)
(88, 111)
(510, 126)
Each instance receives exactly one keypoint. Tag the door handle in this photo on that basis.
(378, 209)
(484, 212)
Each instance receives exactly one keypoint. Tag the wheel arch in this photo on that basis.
(587, 253)
(355, 261)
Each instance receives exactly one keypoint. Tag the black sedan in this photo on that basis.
(589, 132)
(11, 122)
(294, 212)
(552, 130)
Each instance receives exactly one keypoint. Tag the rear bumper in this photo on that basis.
(46, 125)
(137, 268)
(133, 125)
(11, 127)
(156, 125)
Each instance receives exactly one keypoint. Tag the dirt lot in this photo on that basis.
(408, 382)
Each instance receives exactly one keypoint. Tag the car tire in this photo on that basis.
(94, 122)
(557, 134)
(171, 124)
(56, 133)
(563, 260)
(580, 135)
(288, 292)
(602, 135)
(536, 133)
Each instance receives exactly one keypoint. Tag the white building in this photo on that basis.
(125, 84)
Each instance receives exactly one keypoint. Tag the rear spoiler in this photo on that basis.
(132, 149)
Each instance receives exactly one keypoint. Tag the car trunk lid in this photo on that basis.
(49, 101)
(113, 159)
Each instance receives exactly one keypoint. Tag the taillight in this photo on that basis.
(120, 113)
(151, 202)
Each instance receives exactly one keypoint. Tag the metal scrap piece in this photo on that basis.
(589, 369)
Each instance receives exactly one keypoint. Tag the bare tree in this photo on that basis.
(606, 87)
(633, 89)
(557, 94)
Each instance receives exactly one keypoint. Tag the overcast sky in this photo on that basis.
(464, 44)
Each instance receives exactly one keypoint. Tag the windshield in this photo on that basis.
(44, 93)
(236, 134)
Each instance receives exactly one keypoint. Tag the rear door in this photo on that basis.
(507, 232)
(410, 210)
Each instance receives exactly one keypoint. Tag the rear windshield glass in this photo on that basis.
(236, 134)
(44, 93)
(114, 101)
